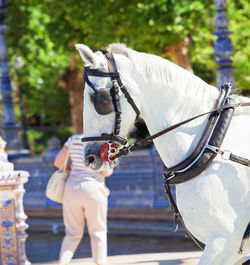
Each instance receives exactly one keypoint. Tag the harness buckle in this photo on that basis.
(112, 150)
(175, 224)
(214, 149)
(171, 175)
(129, 148)
(225, 154)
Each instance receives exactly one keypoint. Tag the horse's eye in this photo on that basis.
(103, 102)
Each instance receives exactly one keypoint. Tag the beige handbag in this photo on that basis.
(56, 183)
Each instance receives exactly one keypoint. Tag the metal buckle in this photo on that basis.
(112, 151)
(225, 154)
(171, 175)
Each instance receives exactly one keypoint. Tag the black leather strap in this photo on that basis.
(206, 156)
(113, 68)
(95, 72)
(128, 97)
(178, 215)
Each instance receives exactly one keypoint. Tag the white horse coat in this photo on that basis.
(215, 206)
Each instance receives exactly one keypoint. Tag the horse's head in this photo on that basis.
(109, 106)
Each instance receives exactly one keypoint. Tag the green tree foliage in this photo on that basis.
(142, 25)
(44, 60)
(44, 32)
(239, 13)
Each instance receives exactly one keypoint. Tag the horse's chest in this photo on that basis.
(204, 205)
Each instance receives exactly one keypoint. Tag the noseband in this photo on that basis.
(106, 101)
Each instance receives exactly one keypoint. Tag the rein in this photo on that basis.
(139, 144)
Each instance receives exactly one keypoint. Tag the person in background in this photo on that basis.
(85, 196)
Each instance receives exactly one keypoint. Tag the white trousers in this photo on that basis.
(85, 199)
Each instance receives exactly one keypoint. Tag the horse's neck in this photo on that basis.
(164, 105)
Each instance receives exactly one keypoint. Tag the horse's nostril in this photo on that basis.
(89, 160)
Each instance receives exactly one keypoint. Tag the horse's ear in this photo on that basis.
(87, 54)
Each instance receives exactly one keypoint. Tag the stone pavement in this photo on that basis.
(167, 258)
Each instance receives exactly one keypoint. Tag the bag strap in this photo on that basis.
(63, 168)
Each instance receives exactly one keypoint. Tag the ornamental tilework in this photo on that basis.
(8, 233)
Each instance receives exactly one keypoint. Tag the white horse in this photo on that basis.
(215, 205)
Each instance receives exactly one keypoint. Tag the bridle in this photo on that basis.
(108, 100)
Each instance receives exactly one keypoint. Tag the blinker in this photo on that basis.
(103, 102)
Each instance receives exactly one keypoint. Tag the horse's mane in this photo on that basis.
(164, 72)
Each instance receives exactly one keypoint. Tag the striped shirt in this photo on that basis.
(78, 168)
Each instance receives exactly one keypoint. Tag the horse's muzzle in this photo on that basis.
(93, 157)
